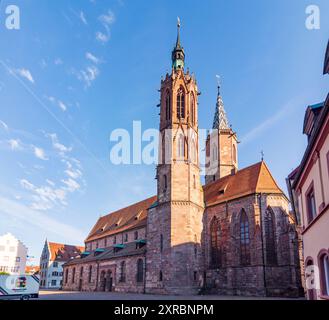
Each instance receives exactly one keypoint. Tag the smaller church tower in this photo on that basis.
(221, 146)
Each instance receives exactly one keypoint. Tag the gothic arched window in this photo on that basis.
(140, 270)
(181, 147)
(270, 237)
(180, 103)
(244, 238)
(216, 252)
(168, 105)
(66, 275)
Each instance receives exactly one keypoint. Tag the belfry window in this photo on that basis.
(180, 103)
(167, 105)
(244, 238)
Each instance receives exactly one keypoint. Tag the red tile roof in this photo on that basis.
(32, 269)
(124, 219)
(254, 179)
(63, 252)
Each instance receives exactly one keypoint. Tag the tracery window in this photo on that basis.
(216, 252)
(180, 103)
(244, 238)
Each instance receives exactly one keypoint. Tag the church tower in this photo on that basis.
(174, 227)
(221, 146)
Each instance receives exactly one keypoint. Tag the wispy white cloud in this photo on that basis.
(24, 73)
(39, 219)
(56, 102)
(58, 61)
(106, 20)
(15, 144)
(271, 121)
(61, 148)
(102, 37)
(39, 153)
(71, 184)
(92, 58)
(62, 105)
(83, 17)
(88, 75)
(4, 125)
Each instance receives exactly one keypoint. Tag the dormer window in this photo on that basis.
(118, 222)
(138, 215)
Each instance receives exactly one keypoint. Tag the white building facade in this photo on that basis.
(53, 256)
(13, 254)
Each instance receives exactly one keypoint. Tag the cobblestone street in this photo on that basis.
(66, 295)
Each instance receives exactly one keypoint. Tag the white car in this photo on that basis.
(21, 287)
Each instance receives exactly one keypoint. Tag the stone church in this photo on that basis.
(232, 236)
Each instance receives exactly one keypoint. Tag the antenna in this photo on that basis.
(262, 153)
(218, 83)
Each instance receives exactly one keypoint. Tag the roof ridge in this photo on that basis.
(227, 177)
(131, 205)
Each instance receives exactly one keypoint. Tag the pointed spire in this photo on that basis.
(220, 119)
(178, 55)
(178, 34)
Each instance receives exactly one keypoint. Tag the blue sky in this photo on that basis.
(77, 70)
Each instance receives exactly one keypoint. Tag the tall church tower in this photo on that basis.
(174, 227)
(221, 146)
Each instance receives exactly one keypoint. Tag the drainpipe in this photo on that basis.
(262, 239)
(144, 289)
